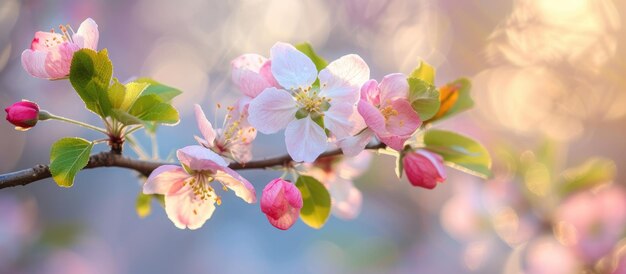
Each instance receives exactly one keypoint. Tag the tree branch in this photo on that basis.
(110, 159)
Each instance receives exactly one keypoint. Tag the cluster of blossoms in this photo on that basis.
(337, 106)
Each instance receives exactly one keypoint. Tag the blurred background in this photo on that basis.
(548, 81)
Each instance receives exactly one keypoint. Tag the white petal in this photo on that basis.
(272, 110)
(200, 158)
(305, 140)
(205, 127)
(346, 199)
(34, 62)
(291, 68)
(163, 178)
(342, 79)
(337, 119)
(187, 210)
(392, 87)
(87, 35)
(354, 145)
(242, 188)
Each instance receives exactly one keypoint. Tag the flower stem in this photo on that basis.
(71, 121)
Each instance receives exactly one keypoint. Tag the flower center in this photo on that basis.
(57, 38)
(388, 111)
(310, 101)
(200, 184)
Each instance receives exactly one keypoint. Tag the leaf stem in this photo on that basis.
(79, 123)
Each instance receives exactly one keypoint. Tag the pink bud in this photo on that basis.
(23, 115)
(424, 168)
(281, 202)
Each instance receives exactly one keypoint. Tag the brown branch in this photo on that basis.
(110, 159)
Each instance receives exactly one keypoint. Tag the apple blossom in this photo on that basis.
(337, 174)
(50, 54)
(23, 114)
(234, 140)
(307, 111)
(189, 196)
(281, 202)
(424, 168)
(252, 74)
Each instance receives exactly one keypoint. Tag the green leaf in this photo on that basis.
(166, 93)
(316, 207)
(123, 97)
(90, 75)
(593, 172)
(151, 108)
(67, 157)
(143, 205)
(459, 152)
(307, 49)
(424, 98)
(424, 72)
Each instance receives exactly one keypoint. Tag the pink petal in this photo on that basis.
(199, 158)
(252, 74)
(59, 60)
(266, 72)
(205, 127)
(242, 188)
(394, 141)
(337, 119)
(291, 68)
(272, 110)
(354, 145)
(44, 40)
(241, 153)
(424, 168)
(187, 210)
(393, 86)
(346, 199)
(305, 140)
(341, 80)
(281, 202)
(372, 117)
(370, 92)
(34, 62)
(87, 34)
(407, 120)
(164, 180)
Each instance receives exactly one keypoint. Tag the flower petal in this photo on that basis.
(370, 92)
(346, 199)
(406, 121)
(205, 127)
(393, 86)
(342, 79)
(199, 158)
(424, 168)
(372, 117)
(337, 119)
(87, 34)
(272, 110)
(163, 179)
(34, 62)
(43, 40)
(186, 210)
(305, 140)
(59, 60)
(292, 68)
(354, 145)
(242, 188)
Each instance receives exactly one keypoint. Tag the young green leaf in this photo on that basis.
(307, 49)
(459, 152)
(424, 72)
(316, 201)
(143, 205)
(166, 93)
(424, 98)
(151, 108)
(90, 75)
(123, 97)
(67, 157)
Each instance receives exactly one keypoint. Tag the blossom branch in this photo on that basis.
(111, 159)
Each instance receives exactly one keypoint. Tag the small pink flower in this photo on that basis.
(23, 115)
(281, 202)
(50, 54)
(234, 140)
(424, 168)
(387, 111)
(596, 220)
(189, 195)
(302, 108)
(252, 73)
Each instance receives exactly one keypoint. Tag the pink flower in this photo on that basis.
(23, 115)
(337, 174)
(189, 195)
(595, 220)
(424, 168)
(50, 54)
(306, 111)
(234, 140)
(387, 111)
(281, 202)
(252, 74)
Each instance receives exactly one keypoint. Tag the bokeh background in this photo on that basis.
(541, 70)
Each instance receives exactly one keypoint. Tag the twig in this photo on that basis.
(110, 159)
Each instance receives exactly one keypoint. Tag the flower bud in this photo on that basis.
(424, 168)
(23, 115)
(281, 202)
